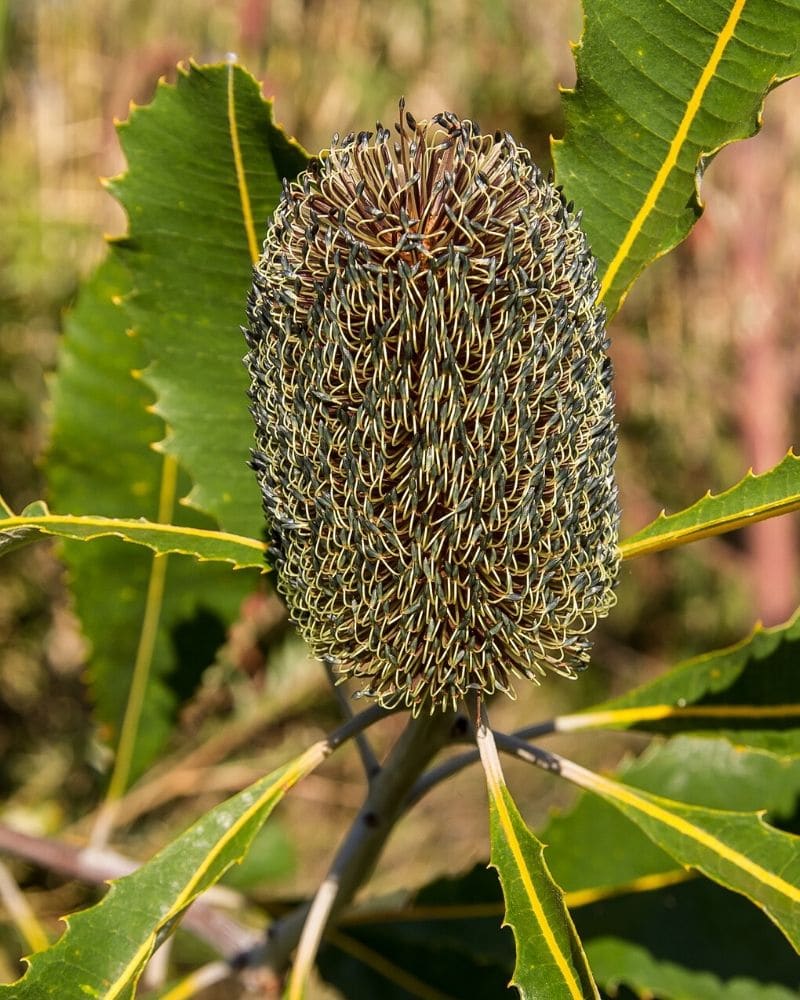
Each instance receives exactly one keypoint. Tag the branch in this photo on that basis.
(442, 771)
(359, 852)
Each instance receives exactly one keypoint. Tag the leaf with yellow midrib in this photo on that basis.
(754, 498)
(661, 87)
(204, 544)
(748, 692)
(550, 961)
(146, 905)
(737, 849)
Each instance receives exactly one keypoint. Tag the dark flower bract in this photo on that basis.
(434, 416)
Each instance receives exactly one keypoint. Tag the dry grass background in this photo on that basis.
(707, 380)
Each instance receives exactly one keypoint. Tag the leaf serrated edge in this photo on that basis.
(498, 791)
(602, 715)
(641, 806)
(279, 783)
(703, 158)
(657, 807)
(642, 542)
(671, 159)
(117, 527)
(117, 184)
(290, 775)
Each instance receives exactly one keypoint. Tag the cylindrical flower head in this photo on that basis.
(434, 416)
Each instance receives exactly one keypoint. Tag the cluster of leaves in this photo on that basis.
(150, 446)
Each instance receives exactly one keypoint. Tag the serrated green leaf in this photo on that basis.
(594, 851)
(738, 850)
(90, 961)
(204, 544)
(550, 963)
(661, 87)
(168, 615)
(753, 499)
(749, 691)
(712, 772)
(205, 163)
(550, 960)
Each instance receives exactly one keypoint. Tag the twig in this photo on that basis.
(530, 753)
(369, 761)
(319, 915)
(487, 749)
(357, 724)
(447, 768)
(360, 850)
(546, 728)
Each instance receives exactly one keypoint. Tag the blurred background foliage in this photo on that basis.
(705, 354)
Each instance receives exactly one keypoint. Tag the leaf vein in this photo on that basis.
(670, 160)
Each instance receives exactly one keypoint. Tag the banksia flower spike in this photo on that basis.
(434, 416)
